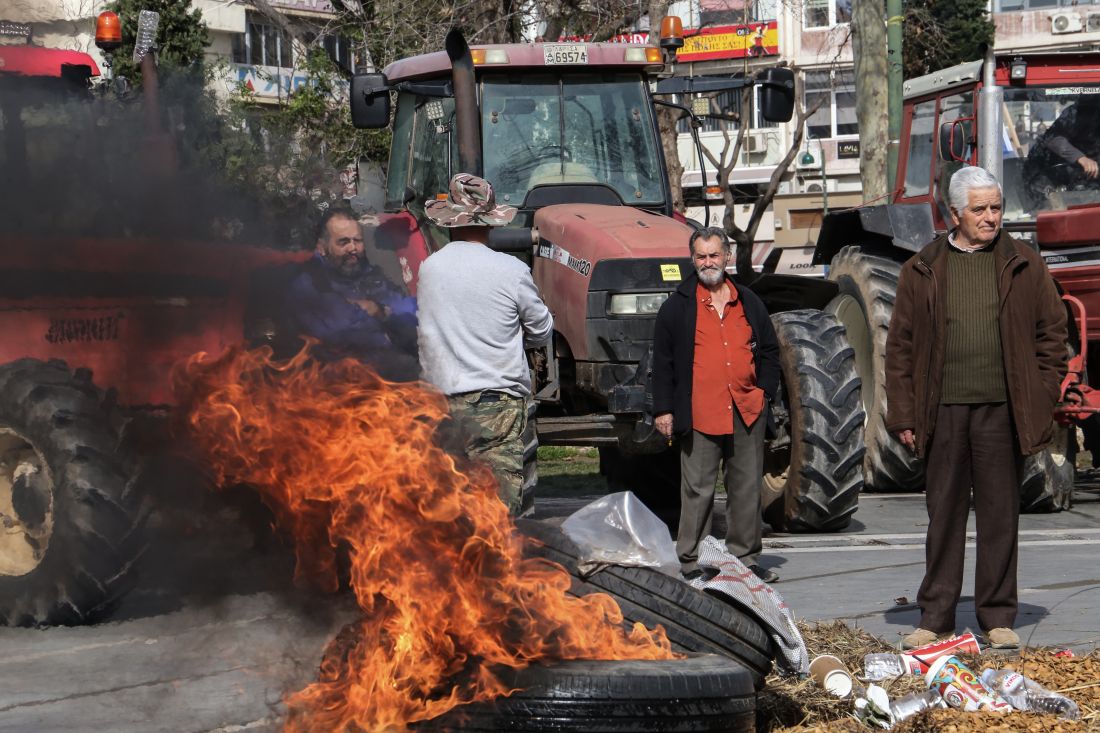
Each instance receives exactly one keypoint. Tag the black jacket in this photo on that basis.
(674, 351)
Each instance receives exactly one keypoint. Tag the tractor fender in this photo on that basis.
(886, 226)
(782, 293)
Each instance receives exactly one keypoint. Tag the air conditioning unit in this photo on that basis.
(755, 142)
(813, 187)
(1066, 22)
(1093, 25)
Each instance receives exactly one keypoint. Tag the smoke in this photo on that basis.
(91, 163)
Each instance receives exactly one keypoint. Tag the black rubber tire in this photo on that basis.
(868, 285)
(694, 621)
(824, 472)
(699, 693)
(530, 439)
(1047, 478)
(653, 477)
(88, 563)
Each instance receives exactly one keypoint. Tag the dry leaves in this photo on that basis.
(790, 705)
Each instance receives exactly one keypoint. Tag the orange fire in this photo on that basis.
(347, 460)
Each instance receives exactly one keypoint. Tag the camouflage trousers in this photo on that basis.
(488, 426)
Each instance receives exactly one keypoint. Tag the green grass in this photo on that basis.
(566, 471)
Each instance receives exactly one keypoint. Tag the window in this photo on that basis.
(262, 44)
(835, 95)
(825, 13)
(397, 176)
(339, 50)
(918, 166)
(430, 167)
(733, 12)
(1002, 6)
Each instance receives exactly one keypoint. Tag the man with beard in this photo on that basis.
(350, 307)
(715, 369)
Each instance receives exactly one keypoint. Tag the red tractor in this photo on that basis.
(567, 132)
(1002, 114)
(94, 318)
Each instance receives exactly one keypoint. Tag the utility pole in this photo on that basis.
(894, 17)
(869, 50)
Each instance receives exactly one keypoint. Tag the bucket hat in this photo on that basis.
(470, 202)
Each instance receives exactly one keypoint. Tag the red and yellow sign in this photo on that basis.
(731, 42)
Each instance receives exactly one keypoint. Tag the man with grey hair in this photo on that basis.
(715, 369)
(974, 363)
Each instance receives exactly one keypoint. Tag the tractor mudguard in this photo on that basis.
(902, 226)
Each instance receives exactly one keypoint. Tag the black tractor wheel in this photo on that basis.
(69, 524)
(814, 473)
(653, 477)
(868, 285)
(698, 693)
(694, 621)
(530, 439)
(1047, 478)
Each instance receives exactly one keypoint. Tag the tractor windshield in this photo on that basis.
(1051, 149)
(594, 128)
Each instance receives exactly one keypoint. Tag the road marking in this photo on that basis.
(785, 550)
(871, 541)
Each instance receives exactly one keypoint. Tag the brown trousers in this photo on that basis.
(973, 446)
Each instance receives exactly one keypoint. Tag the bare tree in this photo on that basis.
(726, 161)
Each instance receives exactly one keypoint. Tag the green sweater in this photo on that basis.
(973, 369)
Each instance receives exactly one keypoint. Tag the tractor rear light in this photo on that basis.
(108, 31)
(636, 304)
(489, 56)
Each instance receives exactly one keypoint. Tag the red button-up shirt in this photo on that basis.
(724, 373)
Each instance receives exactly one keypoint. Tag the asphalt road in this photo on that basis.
(217, 634)
(868, 575)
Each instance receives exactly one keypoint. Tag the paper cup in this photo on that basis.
(961, 688)
(831, 674)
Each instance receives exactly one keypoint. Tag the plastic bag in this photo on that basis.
(618, 529)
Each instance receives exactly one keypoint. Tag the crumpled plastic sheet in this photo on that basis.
(619, 529)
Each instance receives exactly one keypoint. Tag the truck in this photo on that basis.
(996, 113)
(567, 132)
(95, 311)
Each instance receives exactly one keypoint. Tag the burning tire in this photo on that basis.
(868, 285)
(699, 693)
(69, 523)
(812, 483)
(1046, 480)
(695, 621)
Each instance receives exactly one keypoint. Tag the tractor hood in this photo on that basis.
(574, 239)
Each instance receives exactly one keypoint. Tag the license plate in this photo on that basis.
(565, 53)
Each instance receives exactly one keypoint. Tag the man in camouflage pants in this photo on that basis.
(478, 310)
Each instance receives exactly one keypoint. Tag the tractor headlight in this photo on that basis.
(636, 304)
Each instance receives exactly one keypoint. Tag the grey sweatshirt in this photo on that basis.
(478, 309)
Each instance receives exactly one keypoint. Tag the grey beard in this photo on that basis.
(710, 278)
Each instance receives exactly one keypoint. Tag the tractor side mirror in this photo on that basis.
(954, 140)
(370, 101)
(776, 94)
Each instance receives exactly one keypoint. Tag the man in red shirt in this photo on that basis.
(715, 370)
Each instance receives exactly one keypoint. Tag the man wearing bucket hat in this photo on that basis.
(479, 309)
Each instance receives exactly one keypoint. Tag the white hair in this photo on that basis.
(965, 180)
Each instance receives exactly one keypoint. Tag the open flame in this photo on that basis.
(346, 459)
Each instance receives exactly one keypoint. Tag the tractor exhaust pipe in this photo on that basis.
(466, 112)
